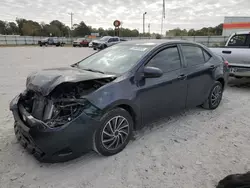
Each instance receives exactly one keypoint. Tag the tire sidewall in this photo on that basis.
(211, 106)
(98, 146)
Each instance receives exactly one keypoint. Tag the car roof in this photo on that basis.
(242, 32)
(157, 42)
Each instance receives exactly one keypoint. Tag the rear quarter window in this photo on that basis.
(207, 56)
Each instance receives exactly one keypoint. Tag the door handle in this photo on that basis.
(212, 67)
(226, 52)
(182, 77)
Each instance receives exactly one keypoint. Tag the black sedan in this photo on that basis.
(99, 101)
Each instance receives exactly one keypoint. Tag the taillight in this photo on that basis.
(226, 63)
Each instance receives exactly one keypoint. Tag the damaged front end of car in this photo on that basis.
(44, 123)
(66, 102)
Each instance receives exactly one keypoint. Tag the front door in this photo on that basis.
(165, 95)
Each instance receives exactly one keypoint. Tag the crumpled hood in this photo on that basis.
(98, 41)
(46, 80)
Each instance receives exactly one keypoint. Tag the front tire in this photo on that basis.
(114, 133)
(215, 96)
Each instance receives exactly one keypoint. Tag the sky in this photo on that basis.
(101, 13)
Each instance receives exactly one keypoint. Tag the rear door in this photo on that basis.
(199, 69)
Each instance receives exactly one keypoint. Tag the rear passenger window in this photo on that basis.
(167, 60)
(207, 56)
(193, 55)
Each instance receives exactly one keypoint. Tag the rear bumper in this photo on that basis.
(240, 70)
(53, 144)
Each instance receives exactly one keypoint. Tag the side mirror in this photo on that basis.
(152, 72)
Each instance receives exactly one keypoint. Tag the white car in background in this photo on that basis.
(91, 44)
(105, 42)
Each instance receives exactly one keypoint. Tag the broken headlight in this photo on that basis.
(65, 110)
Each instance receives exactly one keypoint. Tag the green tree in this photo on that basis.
(11, 28)
(31, 28)
(20, 22)
(81, 30)
(2, 27)
(51, 29)
(191, 32)
(64, 30)
(205, 31)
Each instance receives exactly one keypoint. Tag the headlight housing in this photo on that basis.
(66, 110)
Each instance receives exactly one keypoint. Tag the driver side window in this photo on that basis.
(167, 60)
(238, 40)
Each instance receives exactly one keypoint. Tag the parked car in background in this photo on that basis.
(105, 42)
(237, 52)
(81, 42)
(91, 44)
(52, 41)
(99, 101)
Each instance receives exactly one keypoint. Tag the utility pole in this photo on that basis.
(163, 15)
(149, 28)
(71, 18)
(120, 30)
(71, 23)
(143, 16)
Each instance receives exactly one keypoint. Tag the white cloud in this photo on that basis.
(101, 13)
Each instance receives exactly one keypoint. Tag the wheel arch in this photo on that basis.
(222, 81)
(132, 109)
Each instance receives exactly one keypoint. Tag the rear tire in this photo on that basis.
(215, 96)
(114, 133)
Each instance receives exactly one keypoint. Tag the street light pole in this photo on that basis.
(144, 22)
(71, 23)
(71, 19)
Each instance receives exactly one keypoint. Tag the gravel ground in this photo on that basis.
(195, 148)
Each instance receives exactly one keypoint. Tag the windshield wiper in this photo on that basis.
(93, 70)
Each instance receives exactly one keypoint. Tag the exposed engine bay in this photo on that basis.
(63, 104)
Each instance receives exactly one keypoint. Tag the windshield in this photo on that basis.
(104, 38)
(116, 59)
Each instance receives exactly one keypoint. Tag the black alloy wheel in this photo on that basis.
(214, 97)
(114, 133)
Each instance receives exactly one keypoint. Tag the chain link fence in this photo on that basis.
(211, 41)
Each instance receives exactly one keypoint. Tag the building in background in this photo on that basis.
(235, 24)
